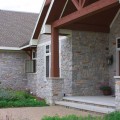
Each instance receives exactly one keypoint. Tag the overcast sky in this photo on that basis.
(21, 5)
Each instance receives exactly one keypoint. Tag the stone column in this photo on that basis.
(55, 90)
(117, 92)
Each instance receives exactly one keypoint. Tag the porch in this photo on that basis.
(98, 104)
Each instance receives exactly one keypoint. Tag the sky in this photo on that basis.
(21, 5)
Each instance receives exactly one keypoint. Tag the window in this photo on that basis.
(118, 43)
(118, 57)
(30, 65)
(47, 48)
(47, 66)
(47, 60)
(33, 54)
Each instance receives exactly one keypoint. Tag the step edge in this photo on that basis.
(90, 102)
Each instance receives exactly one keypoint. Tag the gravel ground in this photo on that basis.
(37, 113)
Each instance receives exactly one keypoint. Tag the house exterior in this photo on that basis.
(16, 29)
(78, 49)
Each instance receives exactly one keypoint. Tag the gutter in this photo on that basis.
(10, 48)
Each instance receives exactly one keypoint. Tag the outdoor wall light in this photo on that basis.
(110, 60)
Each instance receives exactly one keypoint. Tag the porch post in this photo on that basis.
(55, 83)
(54, 52)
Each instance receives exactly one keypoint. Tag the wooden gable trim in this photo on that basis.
(90, 10)
(76, 4)
(47, 2)
(83, 2)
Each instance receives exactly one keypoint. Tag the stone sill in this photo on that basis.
(32, 73)
(117, 77)
(54, 78)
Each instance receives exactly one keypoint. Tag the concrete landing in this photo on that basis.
(98, 100)
(98, 104)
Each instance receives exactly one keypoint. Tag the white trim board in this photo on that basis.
(115, 18)
(9, 48)
(63, 9)
(117, 58)
(50, 7)
(37, 21)
(47, 30)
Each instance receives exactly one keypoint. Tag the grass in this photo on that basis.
(11, 98)
(72, 117)
(112, 116)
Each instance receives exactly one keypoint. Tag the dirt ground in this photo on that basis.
(37, 113)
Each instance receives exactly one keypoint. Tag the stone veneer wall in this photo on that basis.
(114, 33)
(66, 64)
(42, 86)
(90, 51)
(12, 69)
(32, 81)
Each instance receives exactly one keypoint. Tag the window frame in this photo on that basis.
(48, 54)
(117, 58)
(33, 62)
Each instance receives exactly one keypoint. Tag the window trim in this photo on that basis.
(34, 58)
(48, 54)
(117, 58)
(34, 68)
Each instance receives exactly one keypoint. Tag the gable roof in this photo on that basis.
(16, 28)
(94, 15)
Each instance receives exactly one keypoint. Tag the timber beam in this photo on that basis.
(76, 4)
(88, 27)
(54, 52)
(90, 10)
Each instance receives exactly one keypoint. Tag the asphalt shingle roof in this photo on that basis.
(16, 28)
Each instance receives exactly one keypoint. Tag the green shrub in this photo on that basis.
(112, 116)
(11, 98)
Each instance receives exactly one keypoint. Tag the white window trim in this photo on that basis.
(117, 58)
(32, 55)
(47, 54)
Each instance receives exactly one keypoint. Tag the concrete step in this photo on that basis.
(102, 101)
(86, 107)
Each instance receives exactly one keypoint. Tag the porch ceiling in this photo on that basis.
(99, 22)
(88, 2)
